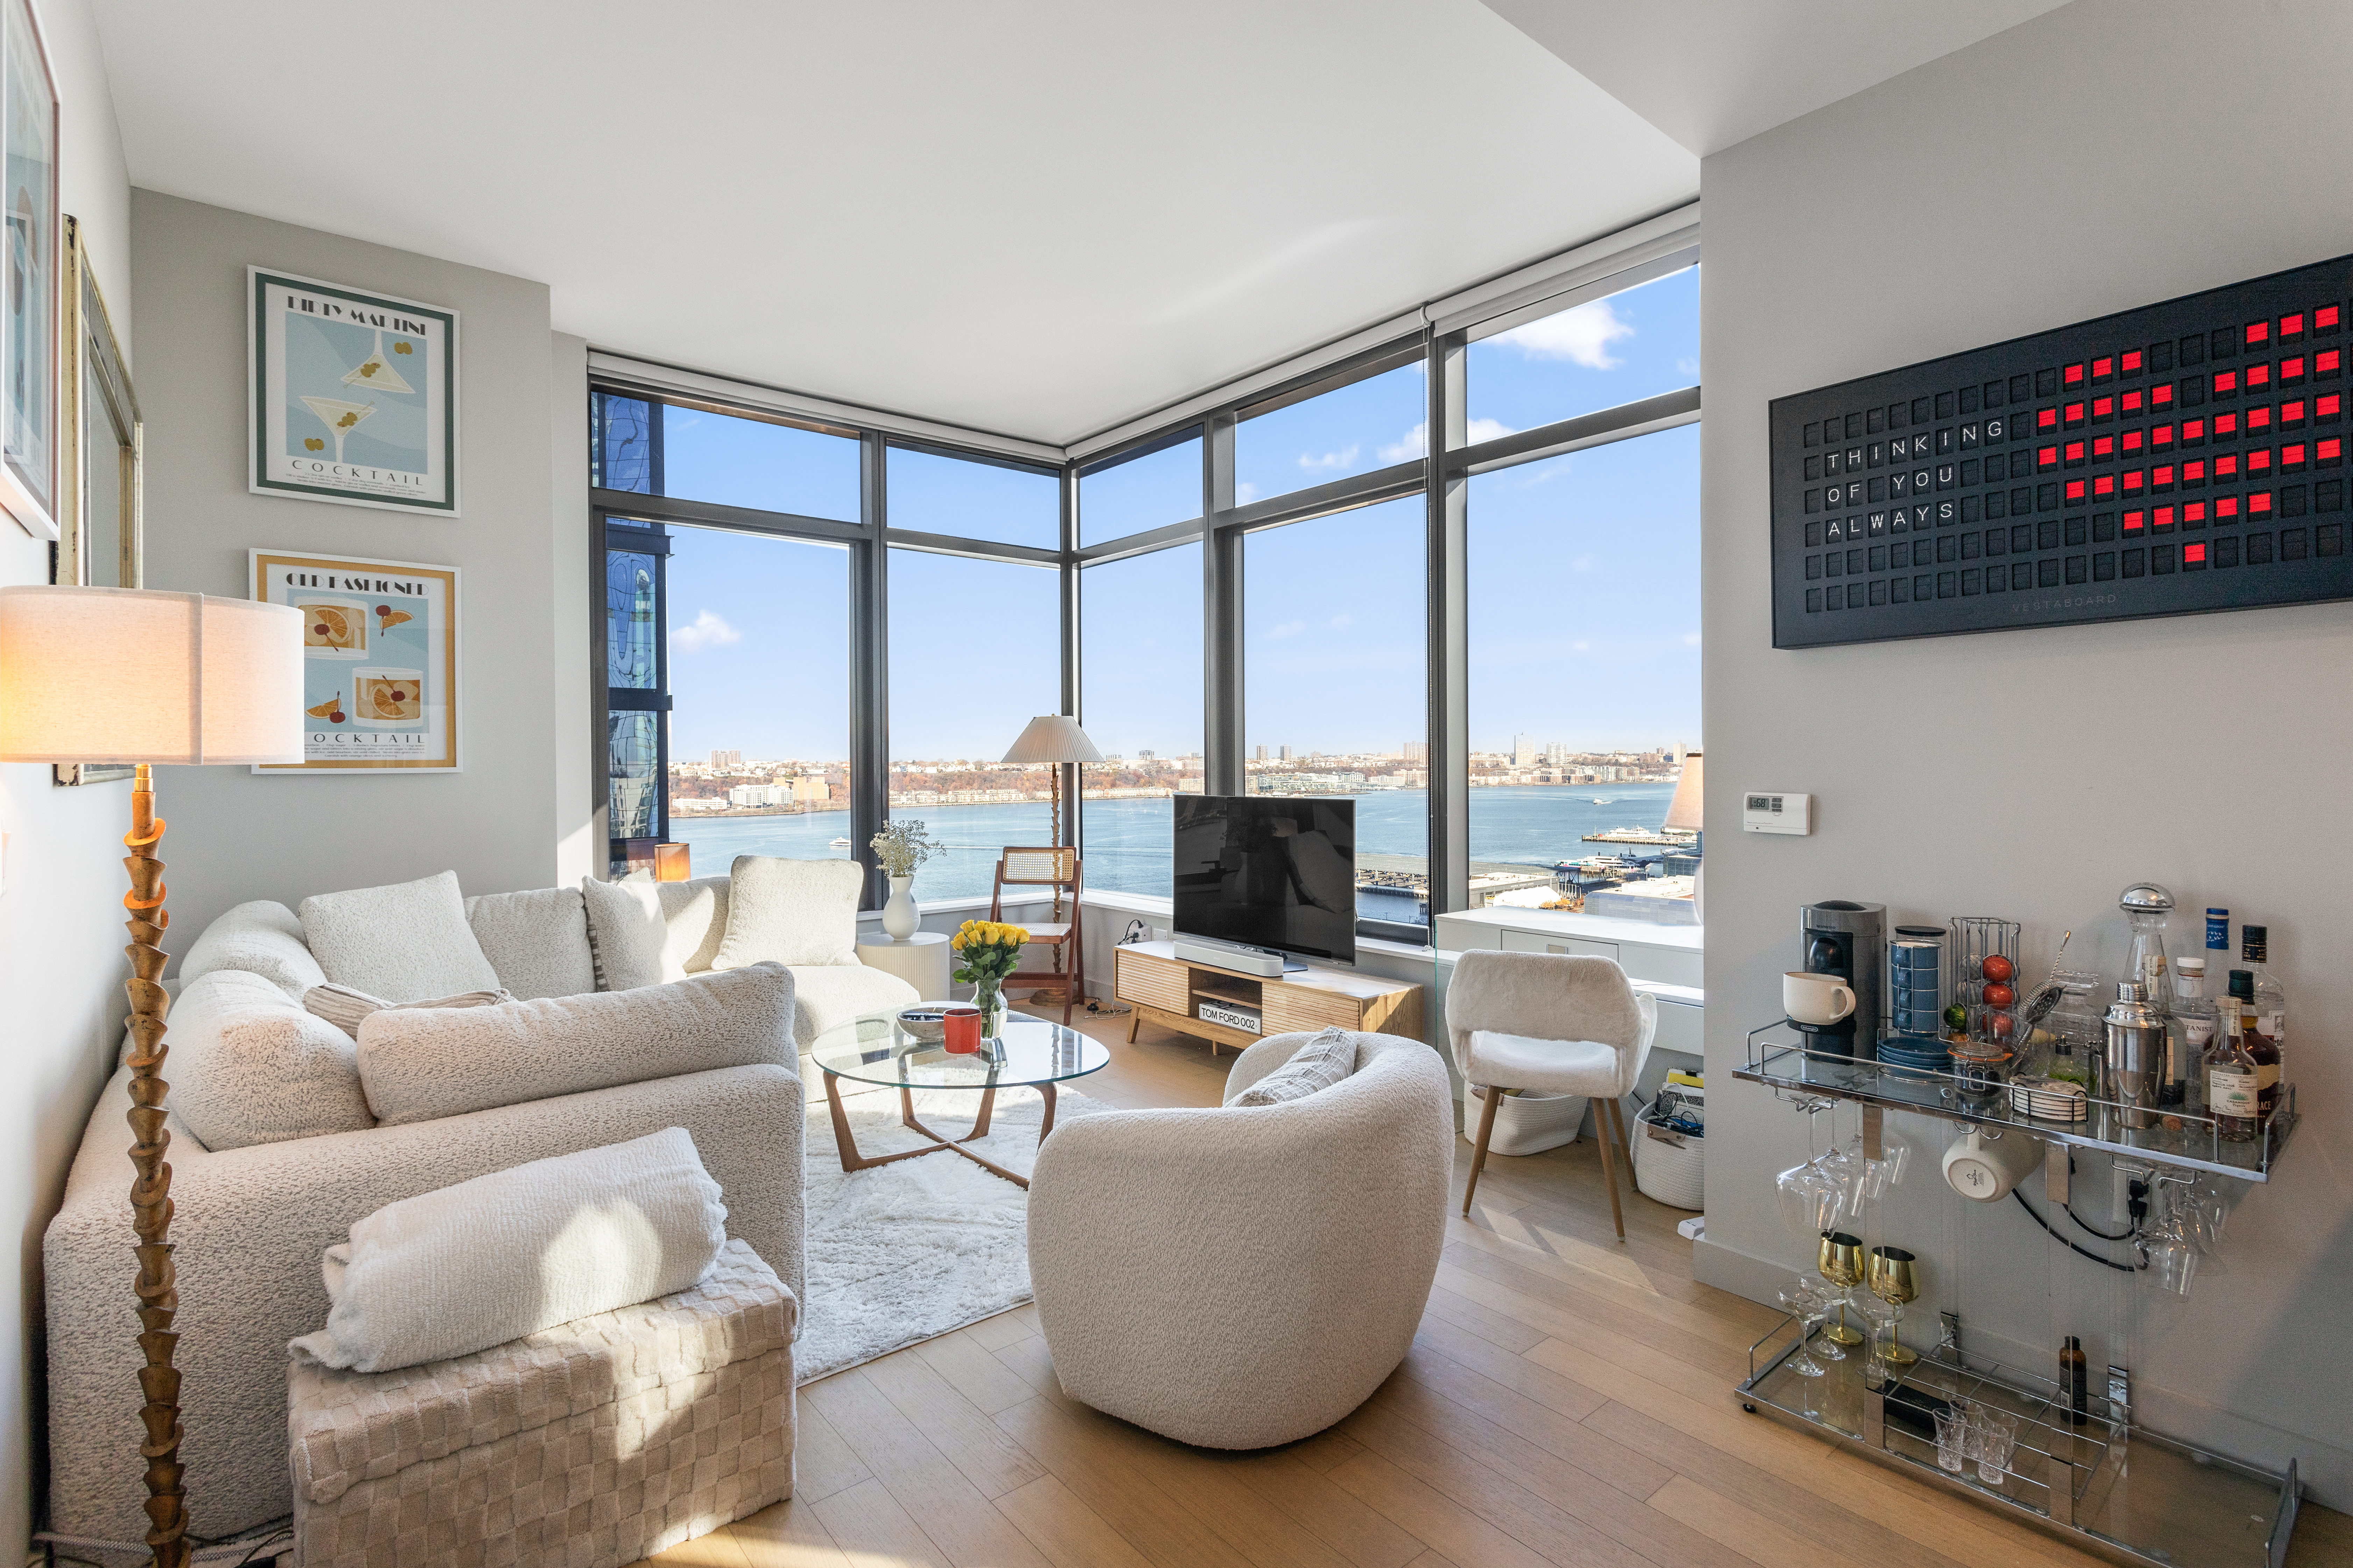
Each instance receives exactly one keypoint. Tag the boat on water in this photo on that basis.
(838, 844)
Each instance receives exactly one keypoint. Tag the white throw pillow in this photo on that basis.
(1317, 1065)
(472, 1266)
(403, 942)
(626, 932)
(344, 1007)
(420, 1064)
(249, 1066)
(696, 915)
(262, 938)
(792, 913)
(537, 940)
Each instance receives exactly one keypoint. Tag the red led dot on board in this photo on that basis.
(2074, 490)
(2326, 407)
(2131, 361)
(2135, 521)
(2225, 380)
(2258, 419)
(2164, 518)
(2164, 475)
(2259, 502)
(2193, 511)
(2325, 361)
(2257, 461)
(2192, 473)
(2103, 368)
(2193, 552)
(2291, 412)
(2046, 419)
(2259, 332)
(2292, 324)
(2075, 374)
(2134, 479)
(2104, 407)
(2323, 319)
(2226, 507)
(2074, 451)
(2132, 402)
(2161, 394)
(2329, 451)
(2291, 455)
(2258, 375)
(2047, 458)
(2162, 436)
(2224, 467)
(2292, 368)
(2103, 485)
(2103, 446)
(2133, 440)
(2074, 414)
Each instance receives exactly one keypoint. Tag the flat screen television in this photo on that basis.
(1269, 870)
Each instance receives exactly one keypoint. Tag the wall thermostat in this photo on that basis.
(1768, 811)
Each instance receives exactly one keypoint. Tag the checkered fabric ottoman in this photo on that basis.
(587, 1446)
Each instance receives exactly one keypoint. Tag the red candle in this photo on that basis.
(962, 1029)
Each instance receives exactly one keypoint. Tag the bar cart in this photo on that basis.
(2081, 1468)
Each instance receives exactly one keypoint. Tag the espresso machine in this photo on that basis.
(1848, 940)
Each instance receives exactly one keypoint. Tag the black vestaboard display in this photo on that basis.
(1270, 871)
(2176, 459)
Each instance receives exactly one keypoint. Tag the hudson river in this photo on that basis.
(1128, 841)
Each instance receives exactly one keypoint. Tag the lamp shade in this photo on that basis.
(1053, 738)
(132, 675)
(1684, 811)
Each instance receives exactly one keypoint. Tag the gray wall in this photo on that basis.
(2105, 156)
(237, 835)
(62, 935)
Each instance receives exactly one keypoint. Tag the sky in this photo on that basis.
(1583, 574)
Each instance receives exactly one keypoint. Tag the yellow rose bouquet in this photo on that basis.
(986, 952)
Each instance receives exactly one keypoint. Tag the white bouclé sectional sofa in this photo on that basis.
(630, 1013)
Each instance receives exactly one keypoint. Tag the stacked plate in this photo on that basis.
(1922, 1053)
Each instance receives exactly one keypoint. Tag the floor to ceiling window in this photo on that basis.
(1140, 654)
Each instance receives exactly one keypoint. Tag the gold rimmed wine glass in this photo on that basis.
(1840, 1261)
(1892, 1275)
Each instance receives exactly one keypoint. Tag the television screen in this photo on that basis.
(1276, 871)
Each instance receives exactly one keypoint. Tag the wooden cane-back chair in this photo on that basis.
(1056, 868)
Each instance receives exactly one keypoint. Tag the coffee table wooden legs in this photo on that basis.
(851, 1160)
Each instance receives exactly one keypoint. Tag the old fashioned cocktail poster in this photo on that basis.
(352, 396)
(379, 662)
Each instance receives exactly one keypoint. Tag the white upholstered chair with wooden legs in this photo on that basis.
(1556, 1024)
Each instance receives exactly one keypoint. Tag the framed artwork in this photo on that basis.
(99, 540)
(28, 304)
(352, 396)
(379, 662)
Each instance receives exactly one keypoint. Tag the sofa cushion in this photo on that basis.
(344, 1007)
(824, 994)
(471, 1265)
(794, 913)
(249, 1066)
(261, 938)
(402, 941)
(537, 940)
(1316, 1066)
(420, 1064)
(695, 916)
(626, 932)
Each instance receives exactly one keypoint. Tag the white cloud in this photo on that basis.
(1687, 367)
(1581, 336)
(1691, 639)
(1582, 647)
(1339, 460)
(1287, 629)
(708, 630)
(1341, 622)
(1245, 492)
(1415, 442)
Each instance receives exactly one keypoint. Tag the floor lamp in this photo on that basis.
(127, 675)
(1052, 739)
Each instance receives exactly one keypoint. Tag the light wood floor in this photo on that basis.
(1569, 1401)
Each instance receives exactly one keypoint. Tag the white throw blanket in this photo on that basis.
(489, 1260)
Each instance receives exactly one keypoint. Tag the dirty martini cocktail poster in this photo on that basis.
(379, 662)
(353, 395)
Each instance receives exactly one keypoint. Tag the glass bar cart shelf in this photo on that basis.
(2183, 1140)
(2106, 1485)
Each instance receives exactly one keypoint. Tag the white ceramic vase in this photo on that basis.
(898, 916)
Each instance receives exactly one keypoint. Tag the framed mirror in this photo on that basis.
(99, 536)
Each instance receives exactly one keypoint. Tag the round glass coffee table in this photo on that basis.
(879, 1048)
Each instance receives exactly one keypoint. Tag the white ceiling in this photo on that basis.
(1710, 73)
(1040, 217)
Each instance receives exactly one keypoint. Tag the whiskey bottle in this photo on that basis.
(2259, 1047)
(2231, 1095)
(2270, 1002)
(2190, 1031)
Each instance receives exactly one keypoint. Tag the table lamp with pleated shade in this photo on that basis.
(129, 675)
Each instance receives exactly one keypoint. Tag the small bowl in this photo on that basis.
(925, 1024)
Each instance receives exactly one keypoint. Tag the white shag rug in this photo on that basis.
(912, 1250)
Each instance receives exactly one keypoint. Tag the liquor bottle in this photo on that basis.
(2190, 1034)
(2270, 1002)
(2259, 1047)
(2233, 1097)
(2074, 1381)
(2218, 945)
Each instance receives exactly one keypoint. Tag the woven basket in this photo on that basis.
(1528, 1123)
(1670, 1167)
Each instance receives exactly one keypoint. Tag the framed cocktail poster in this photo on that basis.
(28, 305)
(354, 396)
(379, 662)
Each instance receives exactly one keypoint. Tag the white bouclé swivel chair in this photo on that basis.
(1556, 1023)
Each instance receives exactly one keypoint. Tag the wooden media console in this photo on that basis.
(1166, 990)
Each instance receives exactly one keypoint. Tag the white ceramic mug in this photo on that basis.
(1987, 1168)
(1810, 999)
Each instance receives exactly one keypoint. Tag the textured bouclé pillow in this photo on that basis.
(537, 940)
(696, 915)
(625, 930)
(261, 938)
(1317, 1065)
(418, 1065)
(249, 1066)
(451, 1272)
(344, 1007)
(791, 911)
(401, 942)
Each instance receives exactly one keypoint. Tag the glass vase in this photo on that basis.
(989, 995)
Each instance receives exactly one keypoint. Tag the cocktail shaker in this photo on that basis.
(2135, 1061)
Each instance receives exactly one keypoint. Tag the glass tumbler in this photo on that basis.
(1952, 1439)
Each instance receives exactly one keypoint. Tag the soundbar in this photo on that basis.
(1262, 961)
